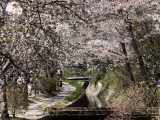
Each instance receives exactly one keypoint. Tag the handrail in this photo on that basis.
(78, 78)
(151, 111)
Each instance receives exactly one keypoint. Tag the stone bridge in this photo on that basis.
(85, 79)
(86, 113)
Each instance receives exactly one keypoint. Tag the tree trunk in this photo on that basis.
(47, 71)
(149, 102)
(128, 66)
(4, 109)
(136, 50)
(14, 104)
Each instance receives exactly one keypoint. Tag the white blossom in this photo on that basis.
(62, 27)
(13, 8)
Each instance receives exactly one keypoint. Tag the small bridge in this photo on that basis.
(86, 113)
(79, 78)
(79, 113)
(85, 79)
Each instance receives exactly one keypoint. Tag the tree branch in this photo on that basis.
(68, 8)
(10, 60)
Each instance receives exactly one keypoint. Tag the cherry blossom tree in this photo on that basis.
(50, 33)
(31, 38)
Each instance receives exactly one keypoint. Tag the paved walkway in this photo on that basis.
(38, 103)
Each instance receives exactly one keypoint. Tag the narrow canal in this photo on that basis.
(83, 101)
(88, 101)
(92, 102)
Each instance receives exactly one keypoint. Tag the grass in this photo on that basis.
(120, 91)
(76, 94)
(116, 79)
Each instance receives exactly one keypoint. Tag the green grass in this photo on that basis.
(76, 94)
(116, 79)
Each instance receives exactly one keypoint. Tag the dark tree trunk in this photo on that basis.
(128, 65)
(47, 70)
(14, 105)
(139, 56)
(4, 109)
(150, 101)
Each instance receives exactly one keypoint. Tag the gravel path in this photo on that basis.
(38, 103)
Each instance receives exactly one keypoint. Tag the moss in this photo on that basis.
(76, 94)
(116, 79)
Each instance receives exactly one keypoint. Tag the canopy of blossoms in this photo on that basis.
(13, 8)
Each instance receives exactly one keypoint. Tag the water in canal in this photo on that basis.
(88, 101)
(83, 101)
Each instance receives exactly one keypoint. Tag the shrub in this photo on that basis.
(117, 79)
(48, 85)
(17, 96)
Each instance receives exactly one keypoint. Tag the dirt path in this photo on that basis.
(38, 103)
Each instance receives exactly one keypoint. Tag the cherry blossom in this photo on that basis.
(13, 8)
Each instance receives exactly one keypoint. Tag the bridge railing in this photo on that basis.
(78, 78)
(86, 111)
